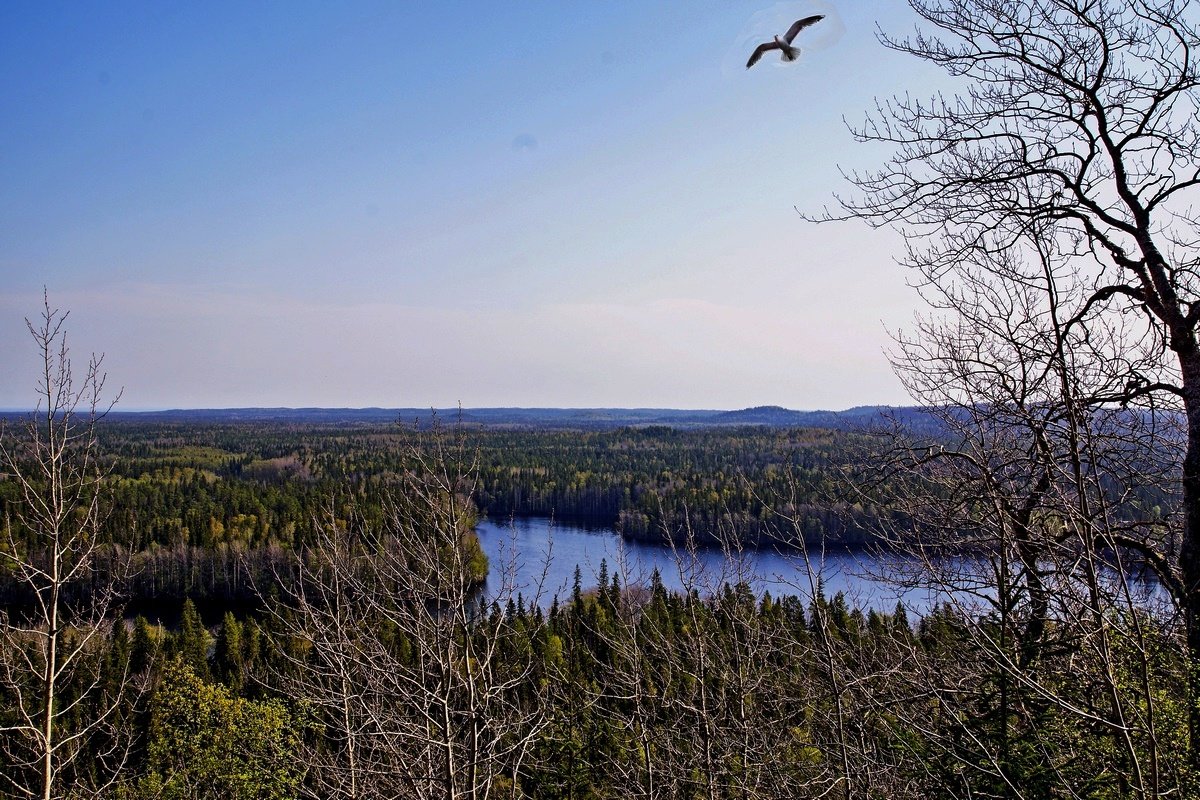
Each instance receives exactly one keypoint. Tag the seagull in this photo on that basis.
(784, 42)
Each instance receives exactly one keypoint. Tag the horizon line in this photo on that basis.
(424, 409)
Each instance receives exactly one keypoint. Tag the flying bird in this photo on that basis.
(784, 42)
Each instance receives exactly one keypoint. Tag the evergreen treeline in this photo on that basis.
(212, 509)
(623, 692)
(261, 482)
(255, 483)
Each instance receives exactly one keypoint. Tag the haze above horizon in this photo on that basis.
(376, 204)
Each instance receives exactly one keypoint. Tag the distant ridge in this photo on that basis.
(566, 418)
(771, 415)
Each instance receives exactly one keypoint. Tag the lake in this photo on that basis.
(538, 557)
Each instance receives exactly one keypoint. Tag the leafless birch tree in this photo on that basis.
(419, 687)
(55, 731)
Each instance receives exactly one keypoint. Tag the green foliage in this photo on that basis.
(205, 742)
(145, 645)
(474, 559)
(230, 657)
(191, 641)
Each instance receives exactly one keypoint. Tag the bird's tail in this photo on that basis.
(791, 53)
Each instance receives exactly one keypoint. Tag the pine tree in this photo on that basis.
(191, 642)
(144, 647)
(229, 655)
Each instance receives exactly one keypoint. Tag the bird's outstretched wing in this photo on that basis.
(800, 25)
(758, 53)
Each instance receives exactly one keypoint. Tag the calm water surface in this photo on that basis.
(539, 558)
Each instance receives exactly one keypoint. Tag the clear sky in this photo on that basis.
(434, 203)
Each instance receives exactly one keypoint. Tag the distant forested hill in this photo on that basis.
(551, 418)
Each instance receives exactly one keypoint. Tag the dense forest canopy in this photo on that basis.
(322, 683)
(257, 484)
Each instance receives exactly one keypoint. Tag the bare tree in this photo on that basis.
(708, 686)
(851, 678)
(1028, 510)
(56, 730)
(420, 687)
(1074, 118)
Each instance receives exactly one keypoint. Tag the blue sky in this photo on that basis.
(426, 204)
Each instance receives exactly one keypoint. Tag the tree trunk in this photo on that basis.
(48, 701)
(1189, 551)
